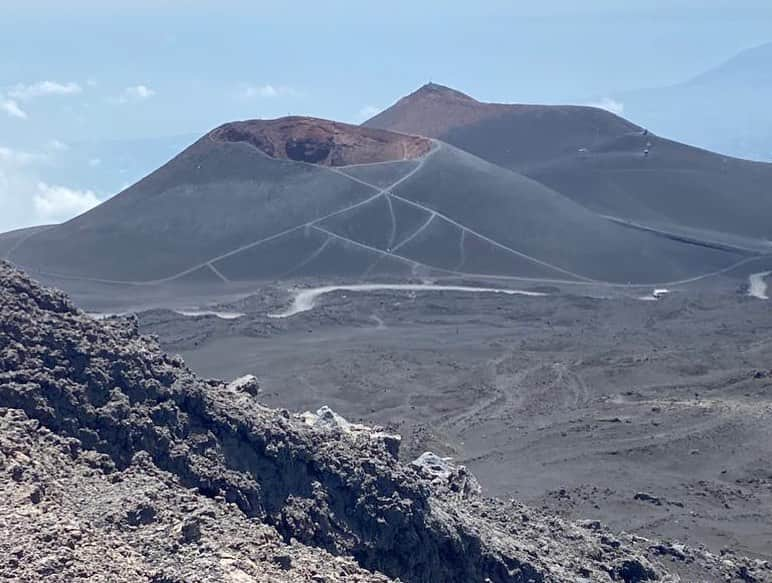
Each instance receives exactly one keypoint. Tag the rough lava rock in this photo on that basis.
(118, 463)
(326, 419)
(246, 384)
(444, 473)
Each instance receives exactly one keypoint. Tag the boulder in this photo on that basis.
(441, 471)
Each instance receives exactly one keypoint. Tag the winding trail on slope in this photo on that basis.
(417, 232)
(209, 262)
(218, 273)
(757, 285)
(387, 191)
(393, 233)
(461, 252)
(187, 312)
(582, 279)
(305, 299)
(8, 254)
(223, 315)
(496, 243)
(310, 258)
(367, 247)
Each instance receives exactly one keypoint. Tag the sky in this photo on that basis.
(94, 94)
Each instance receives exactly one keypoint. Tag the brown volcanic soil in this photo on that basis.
(324, 142)
(434, 110)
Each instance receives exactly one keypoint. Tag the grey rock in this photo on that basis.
(646, 497)
(247, 384)
(104, 423)
(327, 419)
(444, 473)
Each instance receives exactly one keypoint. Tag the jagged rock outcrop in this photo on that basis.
(246, 384)
(444, 473)
(325, 419)
(118, 463)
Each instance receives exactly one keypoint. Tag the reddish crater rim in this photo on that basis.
(323, 142)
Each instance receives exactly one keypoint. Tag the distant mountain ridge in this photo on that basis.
(725, 109)
(749, 67)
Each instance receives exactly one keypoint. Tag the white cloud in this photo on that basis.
(609, 104)
(44, 88)
(58, 145)
(140, 92)
(9, 103)
(10, 107)
(26, 200)
(54, 204)
(136, 93)
(94, 162)
(16, 158)
(366, 113)
(269, 91)
(16, 184)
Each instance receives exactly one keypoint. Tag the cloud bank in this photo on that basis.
(12, 108)
(42, 89)
(26, 200)
(136, 93)
(54, 204)
(9, 100)
(268, 91)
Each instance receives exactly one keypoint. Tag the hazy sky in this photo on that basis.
(79, 78)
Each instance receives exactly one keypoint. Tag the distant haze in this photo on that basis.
(725, 108)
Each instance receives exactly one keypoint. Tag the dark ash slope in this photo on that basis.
(213, 198)
(512, 135)
(224, 211)
(303, 197)
(538, 232)
(600, 161)
(649, 179)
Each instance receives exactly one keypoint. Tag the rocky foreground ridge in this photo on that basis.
(118, 464)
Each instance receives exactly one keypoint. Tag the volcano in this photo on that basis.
(437, 185)
(602, 162)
